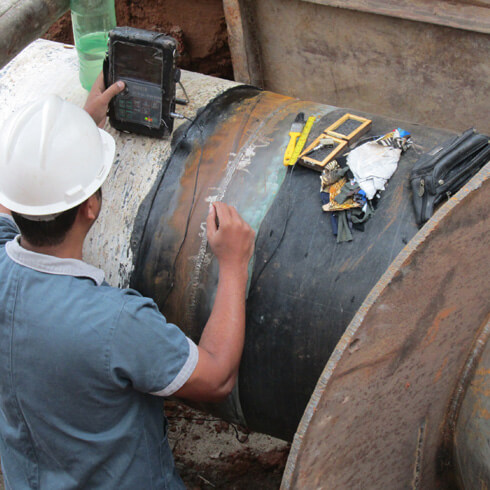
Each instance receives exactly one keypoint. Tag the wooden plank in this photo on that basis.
(471, 15)
(319, 165)
(236, 39)
(243, 44)
(353, 135)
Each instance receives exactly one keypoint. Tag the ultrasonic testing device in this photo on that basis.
(145, 62)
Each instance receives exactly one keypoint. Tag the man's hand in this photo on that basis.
(221, 344)
(230, 237)
(99, 97)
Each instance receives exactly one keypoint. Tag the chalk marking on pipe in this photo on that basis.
(241, 161)
(417, 469)
(237, 162)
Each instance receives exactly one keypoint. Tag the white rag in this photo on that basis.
(372, 165)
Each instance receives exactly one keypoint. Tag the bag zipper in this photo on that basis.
(467, 152)
(433, 158)
(477, 160)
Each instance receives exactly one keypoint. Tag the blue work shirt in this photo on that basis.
(83, 368)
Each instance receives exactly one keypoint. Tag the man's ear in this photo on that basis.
(90, 208)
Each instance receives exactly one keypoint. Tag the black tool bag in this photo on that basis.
(443, 170)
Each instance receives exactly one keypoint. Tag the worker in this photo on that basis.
(85, 366)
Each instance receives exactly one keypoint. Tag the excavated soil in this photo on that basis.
(199, 27)
(210, 453)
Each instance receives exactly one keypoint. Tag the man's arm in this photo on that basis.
(99, 97)
(4, 210)
(221, 344)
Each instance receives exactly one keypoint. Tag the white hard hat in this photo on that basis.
(52, 157)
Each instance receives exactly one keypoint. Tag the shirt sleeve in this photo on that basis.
(148, 353)
(8, 228)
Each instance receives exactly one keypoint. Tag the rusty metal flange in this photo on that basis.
(379, 415)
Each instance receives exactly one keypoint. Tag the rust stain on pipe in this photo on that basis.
(213, 160)
(434, 328)
(440, 371)
(467, 423)
(481, 383)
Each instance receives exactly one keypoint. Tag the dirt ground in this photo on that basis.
(210, 453)
(199, 27)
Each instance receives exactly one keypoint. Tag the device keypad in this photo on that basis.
(140, 103)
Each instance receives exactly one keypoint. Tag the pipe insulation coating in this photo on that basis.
(304, 288)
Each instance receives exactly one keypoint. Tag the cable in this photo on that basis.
(201, 134)
(286, 221)
(180, 101)
(143, 232)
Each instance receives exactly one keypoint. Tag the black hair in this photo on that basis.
(46, 233)
(49, 233)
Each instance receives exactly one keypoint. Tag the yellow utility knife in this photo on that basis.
(296, 128)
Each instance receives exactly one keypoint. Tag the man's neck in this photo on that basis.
(64, 250)
(4, 210)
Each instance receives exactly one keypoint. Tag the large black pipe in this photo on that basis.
(305, 288)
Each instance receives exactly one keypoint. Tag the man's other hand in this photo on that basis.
(230, 237)
(99, 97)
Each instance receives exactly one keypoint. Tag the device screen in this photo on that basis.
(140, 67)
(138, 62)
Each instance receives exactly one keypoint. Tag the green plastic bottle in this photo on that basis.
(92, 20)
